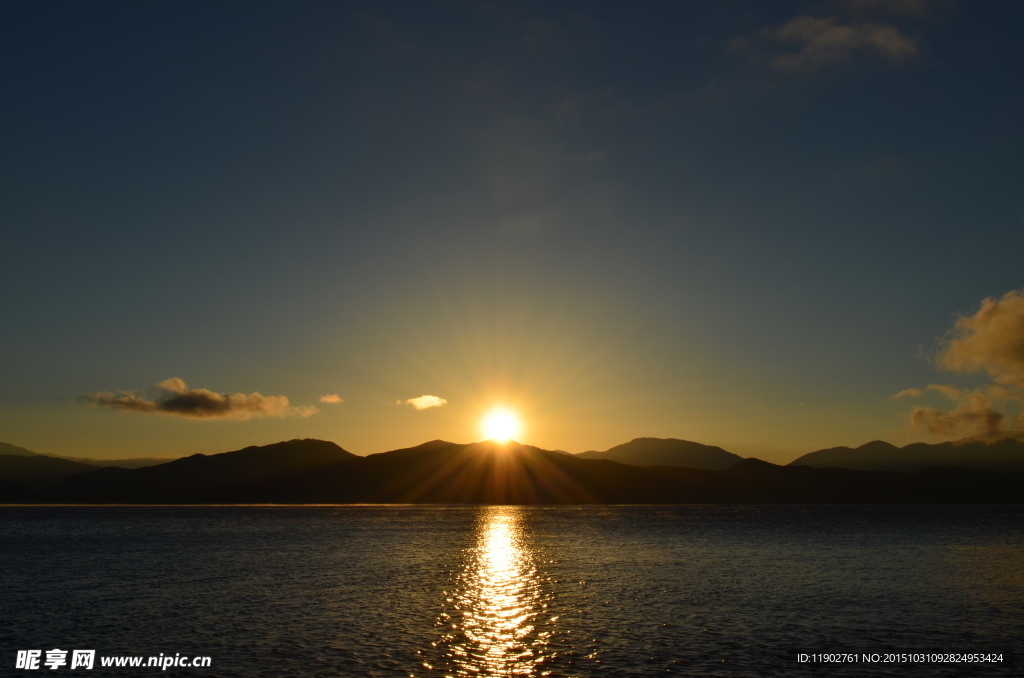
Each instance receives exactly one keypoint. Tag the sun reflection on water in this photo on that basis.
(493, 615)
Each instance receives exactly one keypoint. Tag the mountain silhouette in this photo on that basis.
(1006, 454)
(8, 449)
(200, 477)
(36, 470)
(666, 452)
(14, 492)
(477, 473)
(135, 462)
(440, 472)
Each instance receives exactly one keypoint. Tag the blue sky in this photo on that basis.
(742, 223)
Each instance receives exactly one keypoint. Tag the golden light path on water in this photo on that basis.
(493, 614)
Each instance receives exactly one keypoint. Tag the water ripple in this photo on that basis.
(492, 621)
(517, 591)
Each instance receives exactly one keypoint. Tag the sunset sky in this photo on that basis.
(745, 224)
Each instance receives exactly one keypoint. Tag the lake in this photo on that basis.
(518, 591)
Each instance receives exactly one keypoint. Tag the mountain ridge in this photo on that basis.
(1005, 454)
(7, 449)
(666, 452)
(199, 477)
(310, 471)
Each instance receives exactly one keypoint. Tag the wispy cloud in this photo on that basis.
(823, 41)
(177, 399)
(974, 414)
(332, 399)
(424, 402)
(991, 341)
(909, 393)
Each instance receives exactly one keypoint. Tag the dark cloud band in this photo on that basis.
(199, 403)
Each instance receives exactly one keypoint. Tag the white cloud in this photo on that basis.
(424, 402)
(332, 398)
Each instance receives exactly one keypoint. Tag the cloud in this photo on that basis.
(199, 403)
(424, 402)
(951, 392)
(332, 398)
(909, 393)
(974, 415)
(174, 385)
(825, 41)
(990, 341)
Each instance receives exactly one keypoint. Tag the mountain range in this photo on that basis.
(667, 452)
(1006, 454)
(316, 471)
(6, 449)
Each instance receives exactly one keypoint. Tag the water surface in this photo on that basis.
(517, 591)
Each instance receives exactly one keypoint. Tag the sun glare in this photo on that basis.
(500, 425)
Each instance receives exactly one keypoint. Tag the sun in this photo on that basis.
(500, 425)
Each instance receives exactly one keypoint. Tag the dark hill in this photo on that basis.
(39, 471)
(486, 473)
(12, 492)
(198, 478)
(136, 462)
(667, 452)
(971, 453)
(7, 448)
(477, 473)
(310, 472)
